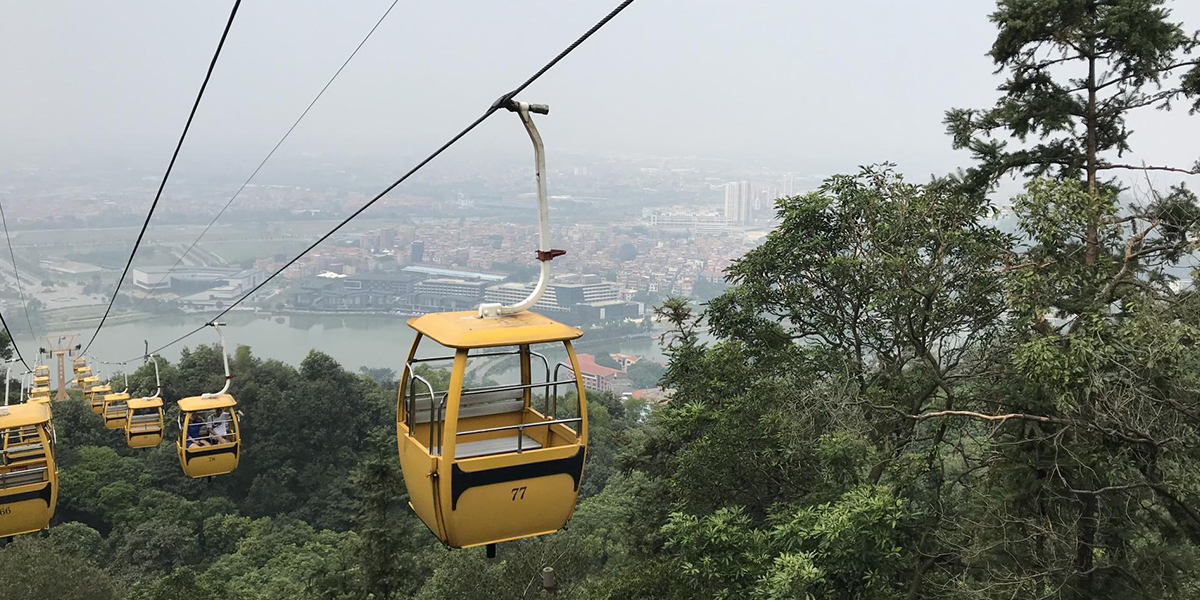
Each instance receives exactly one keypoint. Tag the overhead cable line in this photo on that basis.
(167, 175)
(17, 273)
(500, 102)
(265, 159)
(14, 343)
(5, 323)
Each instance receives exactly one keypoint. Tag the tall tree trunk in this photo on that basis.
(1093, 190)
(1084, 549)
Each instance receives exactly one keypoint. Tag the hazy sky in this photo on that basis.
(816, 86)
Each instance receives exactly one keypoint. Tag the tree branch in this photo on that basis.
(1108, 167)
(987, 417)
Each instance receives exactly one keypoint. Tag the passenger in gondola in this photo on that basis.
(197, 435)
(219, 426)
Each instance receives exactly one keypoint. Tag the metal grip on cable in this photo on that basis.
(541, 109)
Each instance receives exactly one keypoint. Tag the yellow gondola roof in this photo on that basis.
(198, 403)
(464, 329)
(144, 403)
(20, 415)
(117, 396)
(96, 389)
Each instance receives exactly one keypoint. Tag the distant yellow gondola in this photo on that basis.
(144, 422)
(210, 441)
(38, 388)
(86, 384)
(144, 416)
(114, 407)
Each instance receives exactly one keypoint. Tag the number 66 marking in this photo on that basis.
(518, 490)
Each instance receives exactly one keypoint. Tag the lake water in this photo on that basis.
(355, 341)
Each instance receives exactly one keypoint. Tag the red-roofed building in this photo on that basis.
(599, 377)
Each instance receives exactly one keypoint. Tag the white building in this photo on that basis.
(563, 293)
(193, 279)
(446, 286)
(680, 219)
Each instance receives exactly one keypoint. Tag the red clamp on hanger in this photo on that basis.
(545, 255)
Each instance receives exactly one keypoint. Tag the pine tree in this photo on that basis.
(1076, 70)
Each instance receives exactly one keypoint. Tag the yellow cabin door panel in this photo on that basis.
(416, 465)
(143, 439)
(506, 497)
(143, 435)
(28, 508)
(207, 461)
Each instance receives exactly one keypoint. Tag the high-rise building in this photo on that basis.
(745, 202)
(731, 201)
(418, 251)
(739, 201)
(789, 185)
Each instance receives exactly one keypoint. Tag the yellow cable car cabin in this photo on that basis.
(113, 407)
(100, 390)
(86, 383)
(97, 402)
(209, 440)
(80, 370)
(28, 473)
(40, 394)
(39, 391)
(482, 465)
(144, 422)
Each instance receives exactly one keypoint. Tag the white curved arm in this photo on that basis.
(224, 358)
(157, 380)
(544, 256)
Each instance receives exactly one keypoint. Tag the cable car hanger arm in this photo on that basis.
(544, 253)
(224, 359)
(157, 380)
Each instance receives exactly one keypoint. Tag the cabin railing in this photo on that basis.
(437, 400)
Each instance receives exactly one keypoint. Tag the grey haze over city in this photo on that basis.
(814, 86)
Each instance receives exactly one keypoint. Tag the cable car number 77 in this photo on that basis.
(518, 490)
